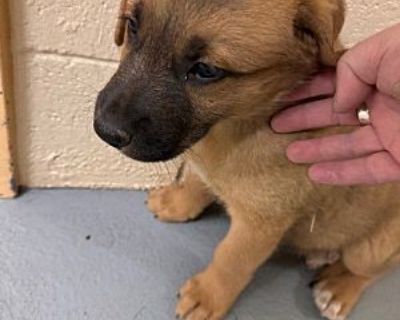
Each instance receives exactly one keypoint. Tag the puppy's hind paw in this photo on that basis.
(336, 291)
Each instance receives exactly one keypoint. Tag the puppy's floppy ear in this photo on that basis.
(322, 21)
(124, 10)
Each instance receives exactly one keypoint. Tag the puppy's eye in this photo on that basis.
(205, 73)
(133, 25)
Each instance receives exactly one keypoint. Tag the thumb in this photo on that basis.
(374, 63)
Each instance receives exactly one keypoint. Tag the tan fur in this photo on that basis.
(242, 162)
(181, 201)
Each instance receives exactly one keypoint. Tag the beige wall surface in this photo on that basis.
(63, 51)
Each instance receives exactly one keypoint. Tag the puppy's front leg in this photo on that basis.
(183, 200)
(249, 242)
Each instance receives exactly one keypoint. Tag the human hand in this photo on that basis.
(368, 74)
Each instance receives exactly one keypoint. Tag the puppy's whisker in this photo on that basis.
(177, 163)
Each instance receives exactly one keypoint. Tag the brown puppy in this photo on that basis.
(202, 77)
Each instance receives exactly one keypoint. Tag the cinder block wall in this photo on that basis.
(64, 53)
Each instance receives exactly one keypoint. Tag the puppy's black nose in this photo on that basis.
(114, 137)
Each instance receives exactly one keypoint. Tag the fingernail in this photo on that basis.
(272, 124)
(294, 152)
(321, 175)
(276, 125)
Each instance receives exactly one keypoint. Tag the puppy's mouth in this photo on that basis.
(152, 152)
(156, 149)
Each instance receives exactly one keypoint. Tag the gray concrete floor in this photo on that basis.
(99, 255)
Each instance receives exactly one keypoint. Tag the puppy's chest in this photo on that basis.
(209, 166)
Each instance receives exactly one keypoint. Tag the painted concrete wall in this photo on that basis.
(64, 53)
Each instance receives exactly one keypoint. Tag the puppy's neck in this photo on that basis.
(225, 136)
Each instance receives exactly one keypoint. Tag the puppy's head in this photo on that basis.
(187, 64)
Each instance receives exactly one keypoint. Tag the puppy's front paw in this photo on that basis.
(336, 291)
(204, 298)
(173, 204)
